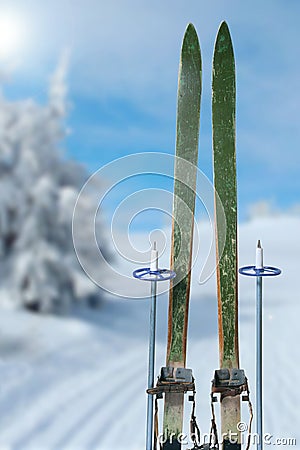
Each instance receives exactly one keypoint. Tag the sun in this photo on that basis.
(11, 34)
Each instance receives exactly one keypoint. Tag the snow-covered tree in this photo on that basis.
(38, 191)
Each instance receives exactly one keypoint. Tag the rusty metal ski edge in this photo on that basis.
(185, 170)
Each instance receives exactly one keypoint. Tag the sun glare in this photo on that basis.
(11, 35)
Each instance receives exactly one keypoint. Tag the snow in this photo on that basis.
(78, 382)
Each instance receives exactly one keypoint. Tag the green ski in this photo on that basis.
(187, 136)
(229, 381)
(224, 156)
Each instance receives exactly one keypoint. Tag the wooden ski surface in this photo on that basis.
(188, 116)
(223, 116)
(185, 171)
(223, 108)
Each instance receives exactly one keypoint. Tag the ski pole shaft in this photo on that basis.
(152, 274)
(151, 364)
(259, 413)
(259, 271)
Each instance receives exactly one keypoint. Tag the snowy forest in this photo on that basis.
(38, 190)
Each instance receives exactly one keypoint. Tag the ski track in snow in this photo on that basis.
(79, 382)
(64, 401)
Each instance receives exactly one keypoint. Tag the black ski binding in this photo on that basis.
(173, 379)
(229, 382)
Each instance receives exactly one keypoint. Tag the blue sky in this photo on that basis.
(123, 63)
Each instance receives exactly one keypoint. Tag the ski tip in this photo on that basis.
(190, 40)
(190, 29)
(224, 28)
(258, 244)
(223, 41)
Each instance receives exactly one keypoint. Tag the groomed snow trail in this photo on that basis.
(79, 382)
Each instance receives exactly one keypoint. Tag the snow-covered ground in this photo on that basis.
(79, 382)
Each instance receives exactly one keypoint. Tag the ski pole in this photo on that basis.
(151, 364)
(259, 413)
(152, 274)
(259, 271)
